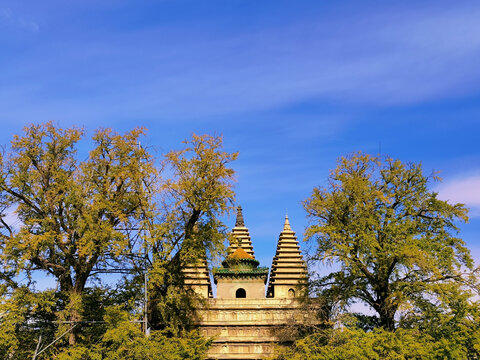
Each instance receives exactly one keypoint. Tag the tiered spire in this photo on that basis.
(241, 236)
(288, 268)
(239, 222)
(197, 276)
(240, 276)
(286, 225)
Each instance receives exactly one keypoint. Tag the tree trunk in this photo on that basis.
(75, 308)
(74, 317)
(387, 316)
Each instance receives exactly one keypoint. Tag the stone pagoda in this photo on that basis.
(243, 318)
(288, 268)
(240, 276)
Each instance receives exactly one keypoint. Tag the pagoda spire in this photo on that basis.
(288, 268)
(240, 222)
(286, 225)
(241, 236)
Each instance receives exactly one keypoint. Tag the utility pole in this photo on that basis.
(145, 302)
(145, 305)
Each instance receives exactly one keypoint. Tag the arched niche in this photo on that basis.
(240, 293)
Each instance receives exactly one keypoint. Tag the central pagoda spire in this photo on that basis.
(240, 276)
(286, 225)
(241, 236)
(240, 222)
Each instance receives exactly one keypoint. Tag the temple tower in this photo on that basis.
(243, 322)
(240, 276)
(241, 236)
(288, 270)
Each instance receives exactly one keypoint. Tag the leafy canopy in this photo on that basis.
(188, 227)
(394, 241)
(73, 218)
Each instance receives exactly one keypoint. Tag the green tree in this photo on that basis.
(72, 213)
(188, 229)
(72, 219)
(124, 340)
(357, 344)
(449, 336)
(394, 241)
(22, 313)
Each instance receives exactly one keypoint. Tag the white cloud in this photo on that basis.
(7, 17)
(393, 57)
(400, 58)
(386, 56)
(464, 190)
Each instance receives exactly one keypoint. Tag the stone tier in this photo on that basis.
(197, 276)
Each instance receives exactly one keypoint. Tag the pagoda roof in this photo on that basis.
(240, 254)
(228, 272)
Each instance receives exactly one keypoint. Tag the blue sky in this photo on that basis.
(291, 85)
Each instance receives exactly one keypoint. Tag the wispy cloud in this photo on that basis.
(8, 18)
(398, 56)
(392, 59)
(465, 190)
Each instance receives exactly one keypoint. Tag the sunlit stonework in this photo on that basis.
(246, 314)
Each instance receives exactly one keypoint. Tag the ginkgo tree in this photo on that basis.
(72, 213)
(394, 242)
(188, 228)
(117, 208)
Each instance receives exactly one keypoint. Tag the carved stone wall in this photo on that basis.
(244, 328)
